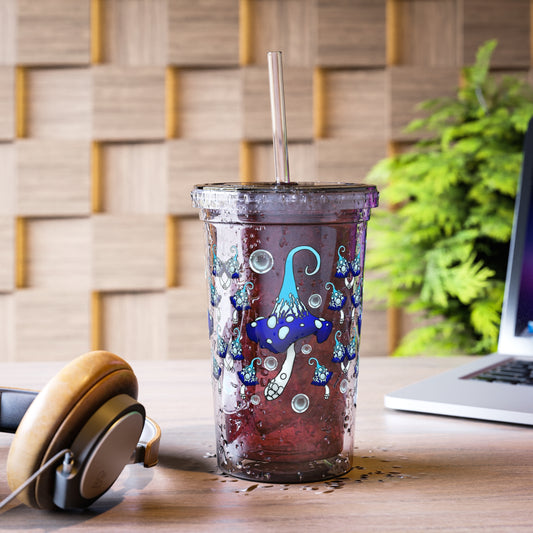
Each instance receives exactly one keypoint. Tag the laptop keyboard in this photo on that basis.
(512, 371)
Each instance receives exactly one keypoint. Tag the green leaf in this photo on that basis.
(442, 249)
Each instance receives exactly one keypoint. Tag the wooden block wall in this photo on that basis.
(111, 110)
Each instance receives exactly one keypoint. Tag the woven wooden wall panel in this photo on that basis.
(50, 323)
(7, 329)
(53, 177)
(129, 103)
(209, 104)
(7, 103)
(8, 31)
(427, 33)
(355, 102)
(53, 32)
(128, 252)
(111, 110)
(509, 22)
(288, 25)
(347, 159)
(7, 179)
(302, 161)
(203, 32)
(298, 100)
(134, 33)
(193, 161)
(351, 33)
(57, 253)
(133, 178)
(58, 103)
(411, 85)
(7, 253)
(143, 315)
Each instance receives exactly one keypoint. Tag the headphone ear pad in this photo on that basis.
(56, 416)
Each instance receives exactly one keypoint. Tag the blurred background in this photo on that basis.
(111, 110)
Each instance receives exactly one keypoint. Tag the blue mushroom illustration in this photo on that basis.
(248, 375)
(345, 354)
(336, 301)
(339, 351)
(343, 265)
(226, 270)
(352, 350)
(346, 268)
(235, 348)
(241, 300)
(216, 370)
(321, 376)
(222, 346)
(288, 322)
(356, 295)
(214, 297)
(355, 265)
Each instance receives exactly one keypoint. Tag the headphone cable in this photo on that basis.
(67, 462)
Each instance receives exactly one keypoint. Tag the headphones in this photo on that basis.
(87, 415)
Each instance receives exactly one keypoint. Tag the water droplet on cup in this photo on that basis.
(261, 261)
(343, 387)
(300, 403)
(271, 363)
(315, 301)
(255, 399)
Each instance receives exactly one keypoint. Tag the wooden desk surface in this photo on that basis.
(411, 473)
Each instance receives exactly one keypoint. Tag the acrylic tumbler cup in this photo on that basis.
(285, 285)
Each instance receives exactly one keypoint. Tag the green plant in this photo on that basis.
(441, 249)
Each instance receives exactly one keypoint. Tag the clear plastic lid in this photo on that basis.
(285, 203)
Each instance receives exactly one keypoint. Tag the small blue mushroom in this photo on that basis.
(216, 369)
(214, 296)
(356, 295)
(248, 375)
(339, 351)
(321, 376)
(241, 300)
(352, 348)
(222, 347)
(210, 323)
(351, 352)
(229, 267)
(343, 266)
(337, 301)
(235, 348)
(355, 265)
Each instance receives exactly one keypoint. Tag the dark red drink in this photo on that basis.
(285, 276)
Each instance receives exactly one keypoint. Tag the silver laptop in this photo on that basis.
(499, 386)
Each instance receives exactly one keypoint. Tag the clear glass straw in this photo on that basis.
(279, 126)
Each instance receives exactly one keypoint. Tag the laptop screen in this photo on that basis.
(524, 312)
(516, 329)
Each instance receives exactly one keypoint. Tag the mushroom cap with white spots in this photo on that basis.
(278, 333)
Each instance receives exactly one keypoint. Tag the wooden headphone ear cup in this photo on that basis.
(58, 413)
